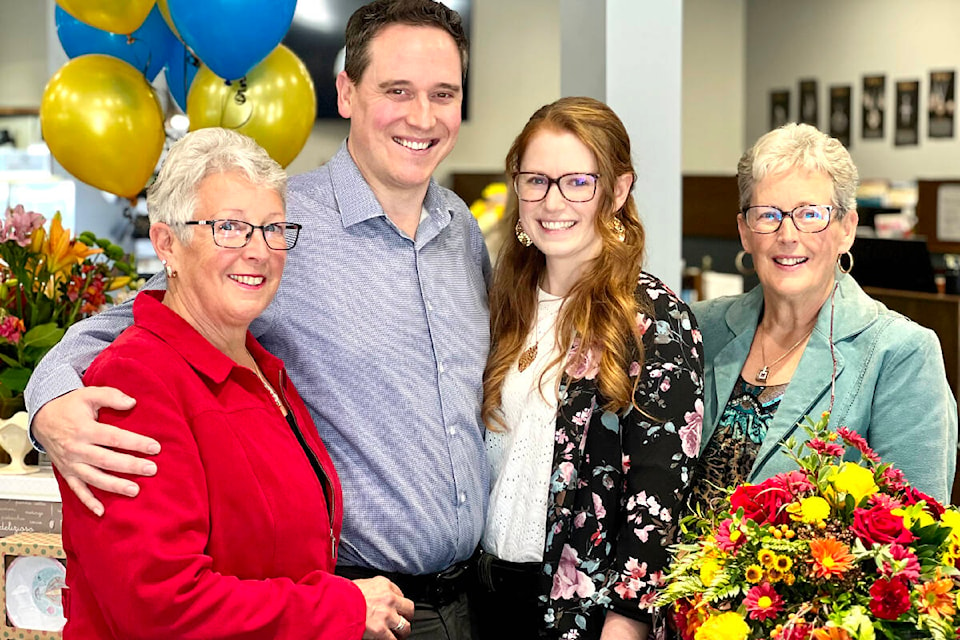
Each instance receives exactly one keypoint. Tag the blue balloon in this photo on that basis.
(181, 68)
(232, 36)
(147, 49)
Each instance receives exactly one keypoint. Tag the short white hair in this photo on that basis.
(173, 198)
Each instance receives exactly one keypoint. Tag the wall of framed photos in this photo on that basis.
(879, 74)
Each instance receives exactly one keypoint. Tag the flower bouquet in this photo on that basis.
(48, 281)
(836, 550)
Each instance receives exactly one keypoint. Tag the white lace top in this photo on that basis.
(521, 457)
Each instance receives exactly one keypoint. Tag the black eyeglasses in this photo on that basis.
(236, 234)
(574, 187)
(808, 218)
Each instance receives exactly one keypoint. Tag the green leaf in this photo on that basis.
(15, 379)
(44, 335)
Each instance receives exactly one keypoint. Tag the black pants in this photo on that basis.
(505, 599)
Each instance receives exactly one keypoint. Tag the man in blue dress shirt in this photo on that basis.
(381, 319)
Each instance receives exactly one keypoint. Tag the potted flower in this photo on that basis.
(839, 549)
(48, 281)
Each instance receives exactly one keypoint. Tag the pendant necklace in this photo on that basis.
(528, 355)
(765, 370)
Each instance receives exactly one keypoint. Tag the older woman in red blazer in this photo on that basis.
(237, 536)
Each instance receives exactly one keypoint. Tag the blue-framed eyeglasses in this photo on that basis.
(808, 218)
(236, 234)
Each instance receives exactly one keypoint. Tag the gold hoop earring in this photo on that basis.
(167, 269)
(522, 235)
(617, 227)
(840, 263)
(743, 269)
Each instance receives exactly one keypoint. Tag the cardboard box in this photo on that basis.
(26, 544)
(30, 504)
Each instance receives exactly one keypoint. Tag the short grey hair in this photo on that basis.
(799, 146)
(173, 197)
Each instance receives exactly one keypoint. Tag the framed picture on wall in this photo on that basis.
(874, 97)
(941, 104)
(809, 105)
(840, 113)
(779, 108)
(316, 36)
(907, 108)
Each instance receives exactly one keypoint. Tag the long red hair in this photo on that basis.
(601, 308)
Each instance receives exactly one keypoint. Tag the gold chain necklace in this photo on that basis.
(765, 370)
(268, 387)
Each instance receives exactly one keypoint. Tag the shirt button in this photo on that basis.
(440, 368)
(462, 497)
(452, 431)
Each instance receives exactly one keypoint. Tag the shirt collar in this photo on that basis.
(356, 200)
(150, 314)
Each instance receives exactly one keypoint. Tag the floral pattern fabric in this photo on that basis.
(729, 456)
(619, 481)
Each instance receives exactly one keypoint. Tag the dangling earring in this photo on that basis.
(618, 229)
(167, 269)
(840, 263)
(522, 235)
(741, 267)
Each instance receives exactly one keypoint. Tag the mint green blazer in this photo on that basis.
(891, 385)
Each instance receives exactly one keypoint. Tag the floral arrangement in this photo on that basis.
(489, 207)
(837, 550)
(48, 281)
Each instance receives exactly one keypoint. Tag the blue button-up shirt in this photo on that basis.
(386, 338)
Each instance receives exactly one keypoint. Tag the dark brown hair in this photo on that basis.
(370, 19)
(601, 309)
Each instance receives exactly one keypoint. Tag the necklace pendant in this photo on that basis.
(527, 357)
(762, 374)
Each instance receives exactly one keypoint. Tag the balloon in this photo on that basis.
(165, 12)
(231, 36)
(181, 70)
(278, 104)
(115, 16)
(103, 123)
(147, 49)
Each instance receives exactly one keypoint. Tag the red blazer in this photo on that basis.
(233, 538)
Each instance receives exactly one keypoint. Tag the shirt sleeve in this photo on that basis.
(60, 371)
(145, 557)
(660, 443)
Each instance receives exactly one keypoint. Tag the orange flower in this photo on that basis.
(936, 599)
(830, 633)
(830, 557)
(59, 251)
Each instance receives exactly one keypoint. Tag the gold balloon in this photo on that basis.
(115, 16)
(165, 12)
(275, 104)
(103, 123)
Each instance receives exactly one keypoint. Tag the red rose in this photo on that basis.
(763, 503)
(913, 496)
(878, 525)
(889, 598)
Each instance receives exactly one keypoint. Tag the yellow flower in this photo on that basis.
(753, 574)
(783, 563)
(766, 557)
(726, 626)
(922, 517)
(708, 571)
(813, 510)
(855, 480)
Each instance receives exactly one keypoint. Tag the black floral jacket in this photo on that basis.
(618, 480)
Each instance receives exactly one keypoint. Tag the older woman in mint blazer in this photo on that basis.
(808, 339)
